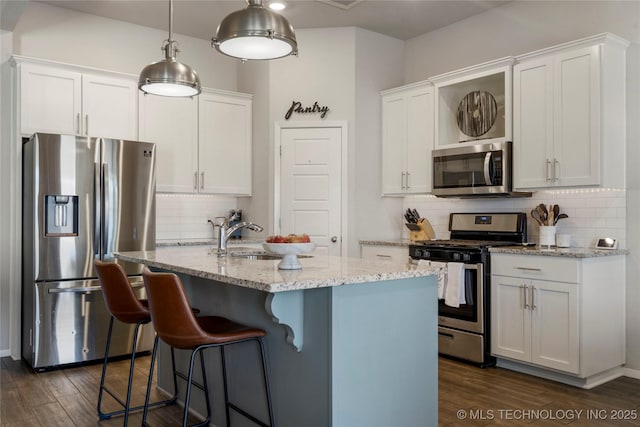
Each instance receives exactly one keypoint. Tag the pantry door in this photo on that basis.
(312, 184)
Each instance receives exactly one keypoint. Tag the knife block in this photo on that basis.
(424, 233)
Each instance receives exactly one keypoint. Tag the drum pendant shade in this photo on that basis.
(169, 77)
(255, 33)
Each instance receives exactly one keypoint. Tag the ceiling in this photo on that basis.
(402, 19)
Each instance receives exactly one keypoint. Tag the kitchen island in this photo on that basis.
(350, 342)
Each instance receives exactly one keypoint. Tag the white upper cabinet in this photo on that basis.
(473, 104)
(225, 142)
(569, 115)
(172, 124)
(55, 98)
(407, 139)
(203, 143)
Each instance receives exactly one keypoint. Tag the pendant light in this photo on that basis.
(255, 33)
(169, 77)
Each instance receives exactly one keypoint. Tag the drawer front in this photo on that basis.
(536, 267)
(385, 253)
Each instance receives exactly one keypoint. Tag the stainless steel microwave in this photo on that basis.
(474, 170)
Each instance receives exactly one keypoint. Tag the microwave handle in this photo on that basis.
(487, 169)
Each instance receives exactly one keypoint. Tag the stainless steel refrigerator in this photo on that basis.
(83, 199)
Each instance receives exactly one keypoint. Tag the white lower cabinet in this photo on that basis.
(536, 321)
(565, 314)
(385, 253)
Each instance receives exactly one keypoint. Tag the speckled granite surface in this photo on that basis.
(211, 242)
(317, 271)
(558, 252)
(385, 242)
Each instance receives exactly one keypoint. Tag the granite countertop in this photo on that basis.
(318, 271)
(386, 242)
(210, 242)
(558, 252)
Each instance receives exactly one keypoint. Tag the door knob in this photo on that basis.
(334, 239)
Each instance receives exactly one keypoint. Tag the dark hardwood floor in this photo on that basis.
(468, 396)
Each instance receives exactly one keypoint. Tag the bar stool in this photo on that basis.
(178, 327)
(124, 306)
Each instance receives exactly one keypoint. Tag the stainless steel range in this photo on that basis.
(463, 329)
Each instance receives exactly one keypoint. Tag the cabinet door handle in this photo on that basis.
(407, 175)
(524, 293)
(202, 180)
(195, 180)
(86, 125)
(78, 131)
(549, 171)
(528, 269)
(533, 304)
(555, 170)
(383, 256)
(402, 180)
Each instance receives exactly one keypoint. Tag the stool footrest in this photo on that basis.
(246, 414)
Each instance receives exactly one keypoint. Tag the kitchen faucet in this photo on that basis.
(226, 232)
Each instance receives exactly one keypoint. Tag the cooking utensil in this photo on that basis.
(556, 210)
(416, 215)
(559, 217)
(535, 215)
(546, 213)
(542, 214)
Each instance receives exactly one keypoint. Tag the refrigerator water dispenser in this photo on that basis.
(61, 216)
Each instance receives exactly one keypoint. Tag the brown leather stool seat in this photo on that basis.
(176, 325)
(124, 306)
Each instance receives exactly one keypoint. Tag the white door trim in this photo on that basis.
(344, 199)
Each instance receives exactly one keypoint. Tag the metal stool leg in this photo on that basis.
(226, 389)
(104, 372)
(230, 405)
(167, 402)
(266, 380)
(206, 389)
(127, 403)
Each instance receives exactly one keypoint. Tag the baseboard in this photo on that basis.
(5, 353)
(632, 373)
(585, 383)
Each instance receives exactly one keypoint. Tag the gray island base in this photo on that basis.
(350, 342)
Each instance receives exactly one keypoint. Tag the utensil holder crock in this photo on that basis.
(547, 236)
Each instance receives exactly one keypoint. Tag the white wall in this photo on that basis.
(340, 68)
(372, 216)
(6, 209)
(524, 26)
(324, 71)
(253, 77)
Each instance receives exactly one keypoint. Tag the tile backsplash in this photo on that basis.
(183, 217)
(592, 213)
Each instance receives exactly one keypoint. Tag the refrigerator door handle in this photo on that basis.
(96, 209)
(105, 209)
(82, 289)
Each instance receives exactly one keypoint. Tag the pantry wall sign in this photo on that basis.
(298, 108)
